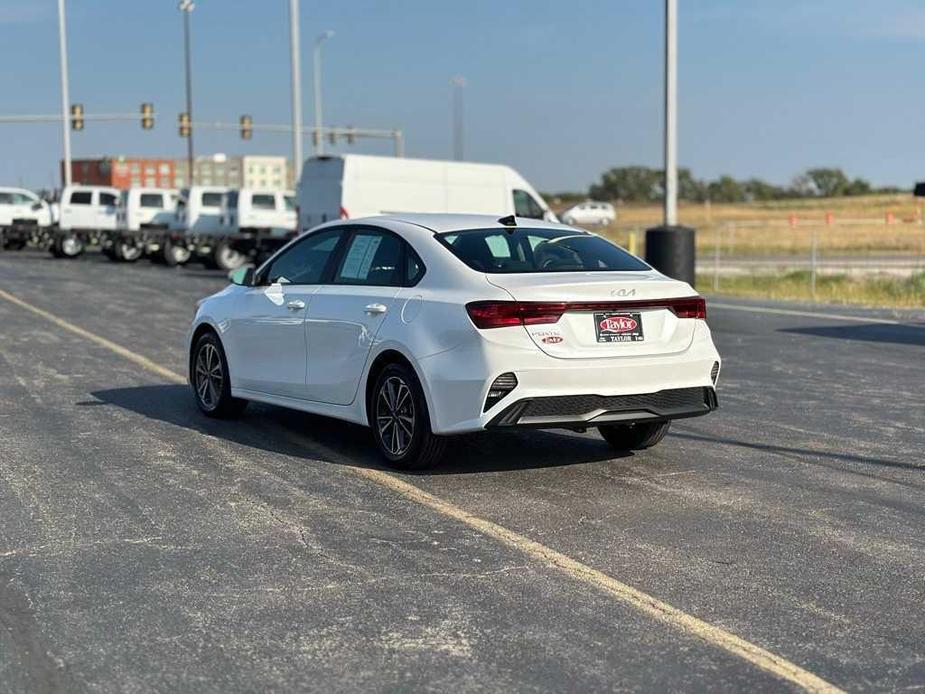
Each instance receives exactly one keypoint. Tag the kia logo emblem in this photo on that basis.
(621, 324)
(622, 292)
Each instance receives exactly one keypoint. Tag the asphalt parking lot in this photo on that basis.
(146, 548)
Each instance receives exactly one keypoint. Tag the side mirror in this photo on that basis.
(243, 276)
(36, 206)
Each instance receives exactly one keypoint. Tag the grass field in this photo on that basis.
(857, 226)
(834, 289)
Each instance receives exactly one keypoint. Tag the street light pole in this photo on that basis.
(65, 93)
(670, 248)
(316, 64)
(296, 58)
(671, 113)
(458, 82)
(186, 7)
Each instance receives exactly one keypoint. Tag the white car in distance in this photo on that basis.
(590, 212)
(426, 326)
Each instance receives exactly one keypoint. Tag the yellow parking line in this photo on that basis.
(626, 594)
(143, 362)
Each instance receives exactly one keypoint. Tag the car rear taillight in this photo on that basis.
(344, 214)
(501, 314)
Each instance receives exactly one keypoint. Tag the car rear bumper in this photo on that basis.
(587, 392)
(578, 411)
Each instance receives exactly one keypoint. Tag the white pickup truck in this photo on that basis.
(24, 216)
(86, 215)
(143, 222)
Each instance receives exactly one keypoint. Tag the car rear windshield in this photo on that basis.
(538, 250)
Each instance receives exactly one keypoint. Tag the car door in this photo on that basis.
(345, 315)
(106, 207)
(265, 342)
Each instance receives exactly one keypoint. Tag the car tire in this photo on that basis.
(400, 421)
(226, 258)
(175, 253)
(211, 381)
(634, 437)
(127, 251)
(69, 247)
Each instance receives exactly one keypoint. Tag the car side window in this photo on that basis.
(155, 200)
(263, 202)
(108, 199)
(414, 267)
(211, 199)
(304, 262)
(81, 197)
(526, 206)
(372, 258)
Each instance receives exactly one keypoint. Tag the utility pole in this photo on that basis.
(186, 7)
(296, 58)
(671, 248)
(316, 65)
(671, 113)
(458, 83)
(65, 93)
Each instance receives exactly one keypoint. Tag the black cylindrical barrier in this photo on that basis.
(671, 251)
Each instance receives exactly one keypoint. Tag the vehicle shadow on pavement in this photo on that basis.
(896, 334)
(808, 452)
(298, 434)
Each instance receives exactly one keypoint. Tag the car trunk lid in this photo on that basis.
(603, 314)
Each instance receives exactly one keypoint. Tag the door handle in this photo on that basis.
(376, 308)
(296, 305)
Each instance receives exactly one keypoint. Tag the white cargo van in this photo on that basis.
(357, 185)
(23, 216)
(85, 214)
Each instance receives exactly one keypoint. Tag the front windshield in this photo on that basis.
(518, 250)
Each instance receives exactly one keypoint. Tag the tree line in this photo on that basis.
(644, 184)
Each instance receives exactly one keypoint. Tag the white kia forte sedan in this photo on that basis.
(425, 326)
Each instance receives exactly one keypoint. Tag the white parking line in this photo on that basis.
(810, 314)
(628, 595)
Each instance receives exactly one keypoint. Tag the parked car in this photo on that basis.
(85, 215)
(355, 185)
(426, 326)
(590, 212)
(23, 216)
(143, 218)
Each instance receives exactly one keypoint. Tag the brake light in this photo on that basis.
(344, 214)
(500, 314)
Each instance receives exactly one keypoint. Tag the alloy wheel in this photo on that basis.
(210, 377)
(395, 416)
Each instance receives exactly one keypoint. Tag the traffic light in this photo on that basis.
(351, 136)
(316, 139)
(77, 116)
(147, 116)
(185, 127)
(332, 137)
(247, 127)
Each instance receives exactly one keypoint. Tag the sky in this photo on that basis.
(560, 90)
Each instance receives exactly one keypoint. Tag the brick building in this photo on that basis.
(249, 171)
(125, 172)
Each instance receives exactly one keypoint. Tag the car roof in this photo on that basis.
(440, 223)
